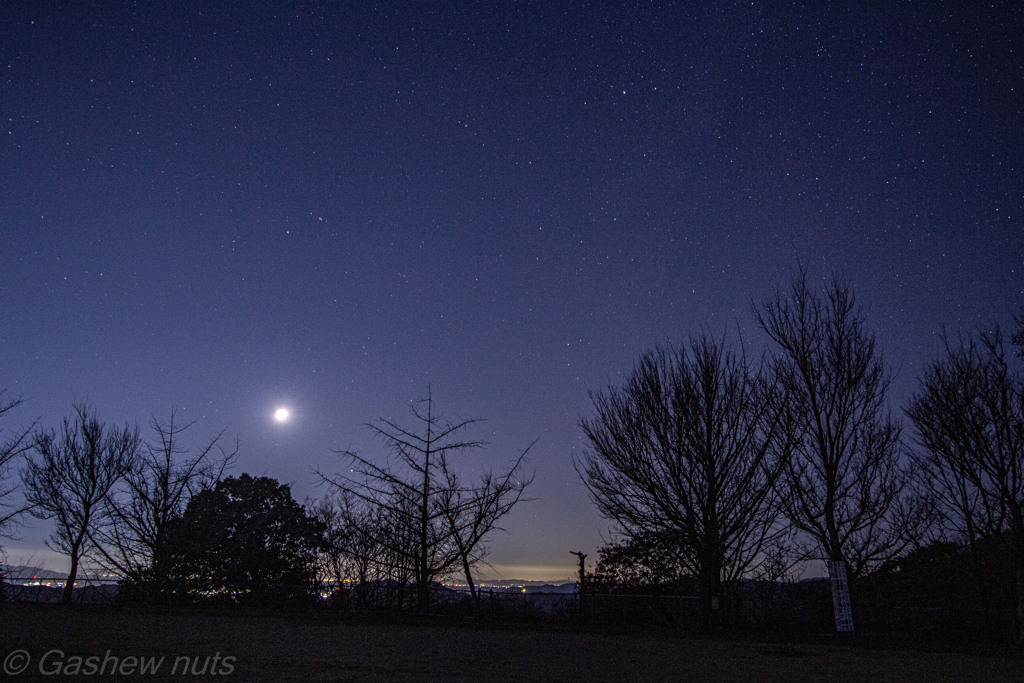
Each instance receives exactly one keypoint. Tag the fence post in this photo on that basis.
(583, 584)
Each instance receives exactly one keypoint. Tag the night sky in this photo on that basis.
(221, 209)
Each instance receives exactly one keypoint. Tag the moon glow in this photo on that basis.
(282, 414)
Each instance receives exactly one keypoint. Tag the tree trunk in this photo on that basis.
(361, 586)
(423, 587)
(1018, 575)
(161, 562)
(69, 585)
(711, 590)
(469, 581)
(979, 572)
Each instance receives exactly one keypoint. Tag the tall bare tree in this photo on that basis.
(472, 513)
(842, 484)
(688, 452)
(413, 492)
(969, 415)
(69, 475)
(133, 538)
(10, 449)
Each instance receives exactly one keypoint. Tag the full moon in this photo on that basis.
(282, 414)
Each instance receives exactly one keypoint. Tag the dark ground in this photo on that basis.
(336, 647)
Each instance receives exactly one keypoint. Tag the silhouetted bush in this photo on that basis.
(246, 541)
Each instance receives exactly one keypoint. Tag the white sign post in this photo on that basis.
(840, 596)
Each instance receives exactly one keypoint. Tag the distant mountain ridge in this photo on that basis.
(27, 573)
(21, 572)
(528, 586)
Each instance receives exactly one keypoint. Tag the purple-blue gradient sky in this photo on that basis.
(224, 207)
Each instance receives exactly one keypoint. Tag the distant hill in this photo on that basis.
(518, 586)
(21, 572)
(552, 588)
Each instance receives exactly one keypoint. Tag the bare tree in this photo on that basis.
(69, 476)
(471, 514)
(133, 538)
(357, 550)
(425, 519)
(10, 449)
(334, 560)
(842, 484)
(945, 468)
(688, 452)
(969, 415)
(387, 530)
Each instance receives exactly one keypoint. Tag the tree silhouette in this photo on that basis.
(246, 538)
(640, 564)
(134, 538)
(842, 484)
(969, 415)
(433, 522)
(69, 476)
(471, 513)
(10, 449)
(687, 453)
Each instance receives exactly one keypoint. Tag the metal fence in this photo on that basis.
(806, 612)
